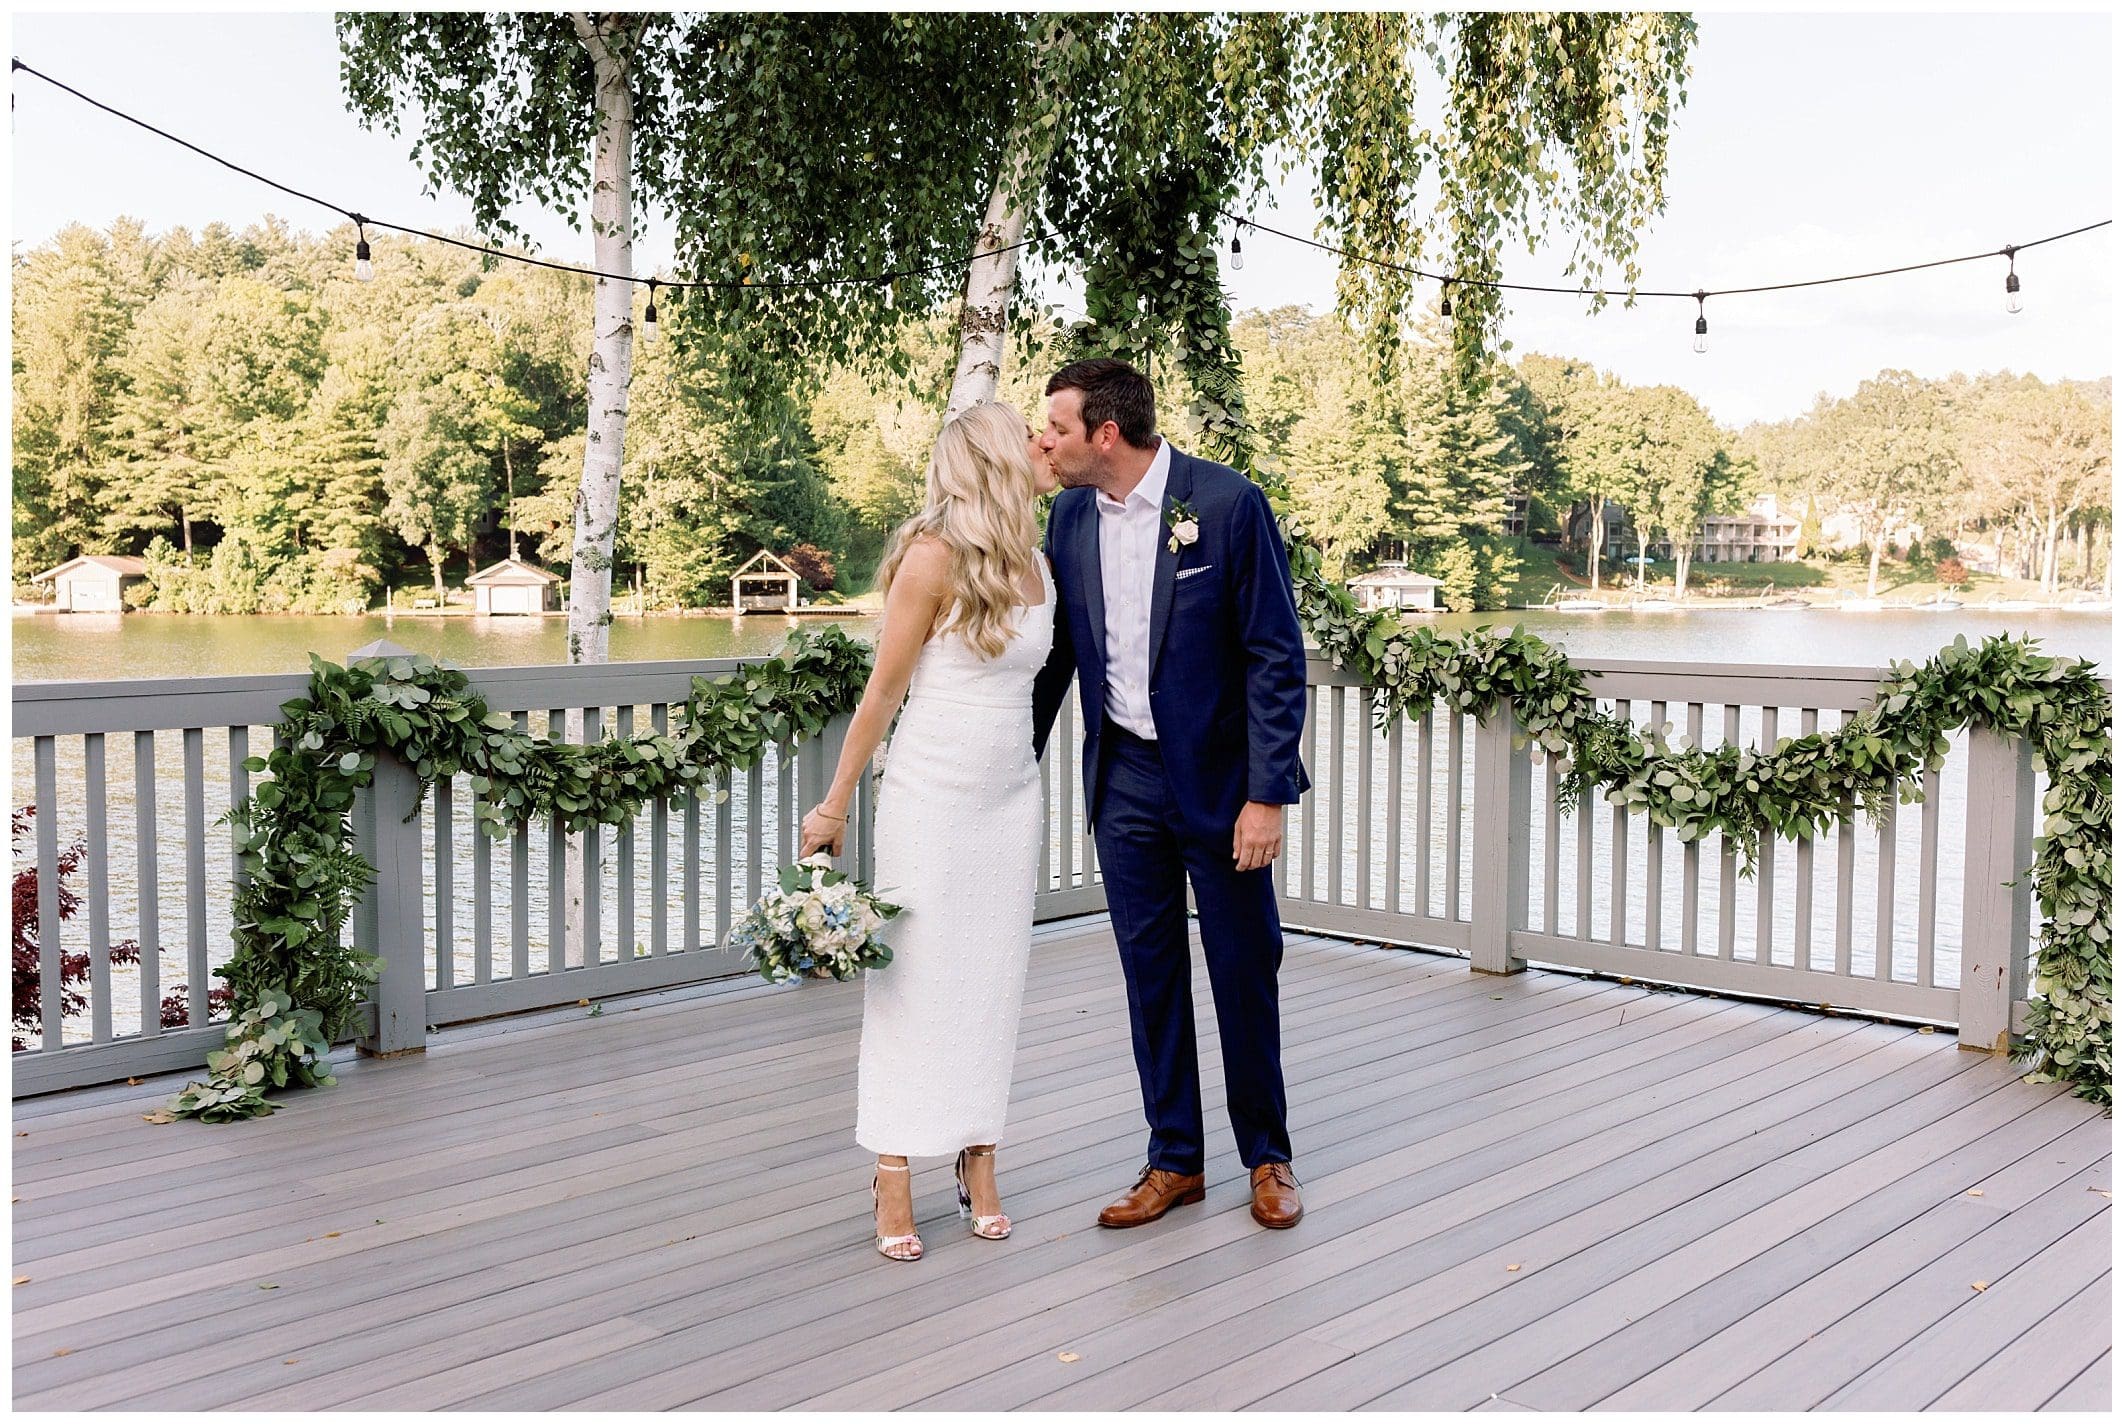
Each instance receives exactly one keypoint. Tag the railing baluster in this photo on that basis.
(50, 957)
(623, 890)
(195, 892)
(1456, 765)
(785, 837)
(1336, 798)
(482, 897)
(1582, 926)
(1047, 815)
(1655, 858)
(690, 865)
(99, 890)
(147, 874)
(659, 849)
(1692, 862)
(1066, 834)
(1928, 881)
(725, 857)
(1803, 876)
(1884, 899)
(1619, 859)
(520, 887)
(1551, 847)
(1311, 735)
(1427, 836)
(1846, 877)
(1766, 859)
(1728, 861)
(1365, 839)
(239, 790)
(556, 865)
(593, 876)
(755, 795)
(1395, 770)
(445, 883)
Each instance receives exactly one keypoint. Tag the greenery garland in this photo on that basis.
(304, 990)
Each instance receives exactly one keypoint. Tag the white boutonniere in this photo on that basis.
(1187, 528)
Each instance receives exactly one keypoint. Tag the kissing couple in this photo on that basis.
(1163, 588)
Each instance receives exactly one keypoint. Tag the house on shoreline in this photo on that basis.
(93, 583)
(513, 586)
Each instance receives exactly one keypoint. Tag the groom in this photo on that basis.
(1175, 615)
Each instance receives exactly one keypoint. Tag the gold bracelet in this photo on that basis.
(820, 811)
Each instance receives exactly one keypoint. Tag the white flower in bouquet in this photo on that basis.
(816, 921)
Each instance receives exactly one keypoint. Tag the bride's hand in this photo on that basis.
(822, 830)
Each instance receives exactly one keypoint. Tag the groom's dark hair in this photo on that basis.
(1112, 390)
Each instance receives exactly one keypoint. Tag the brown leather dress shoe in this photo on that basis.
(1276, 1195)
(1156, 1192)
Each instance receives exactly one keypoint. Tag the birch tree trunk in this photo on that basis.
(992, 279)
(612, 351)
(1596, 535)
(611, 373)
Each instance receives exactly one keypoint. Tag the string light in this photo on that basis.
(365, 271)
(649, 316)
(486, 250)
(2013, 281)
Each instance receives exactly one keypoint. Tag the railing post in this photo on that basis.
(389, 919)
(816, 762)
(1504, 807)
(1998, 853)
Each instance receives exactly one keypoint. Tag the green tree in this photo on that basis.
(1129, 133)
(442, 434)
(1892, 460)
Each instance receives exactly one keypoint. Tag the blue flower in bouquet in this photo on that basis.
(817, 922)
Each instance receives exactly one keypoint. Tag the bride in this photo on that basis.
(967, 626)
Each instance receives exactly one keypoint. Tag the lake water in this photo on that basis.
(62, 647)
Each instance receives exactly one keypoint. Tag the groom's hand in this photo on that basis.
(1258, 837)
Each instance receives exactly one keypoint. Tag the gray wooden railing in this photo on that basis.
(1434, 833)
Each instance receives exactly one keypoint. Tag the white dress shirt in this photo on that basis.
(1128, 564)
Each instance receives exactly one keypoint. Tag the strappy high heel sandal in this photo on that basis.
(988, 1228)
(893, 1248)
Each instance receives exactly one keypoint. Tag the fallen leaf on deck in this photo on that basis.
(1069, 1357)
(22, 1280)
(585, 1003)
(62, 1350)
(287, 1362)
(268, 1285)
(2100, 1192)
(1515, 1265)
(330, 1234)
(1926, 1029)
(1976, 1191)
(159, 1115)
(132, 1082)
(1980, 1285)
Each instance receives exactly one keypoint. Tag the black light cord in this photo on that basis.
(1697, 296)
(361, 220)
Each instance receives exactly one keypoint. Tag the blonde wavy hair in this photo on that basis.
(979, 503)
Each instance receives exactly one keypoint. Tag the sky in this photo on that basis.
(1813, 144)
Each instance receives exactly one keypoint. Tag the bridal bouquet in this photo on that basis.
(815, 921)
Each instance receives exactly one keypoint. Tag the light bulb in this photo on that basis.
(649, 316)
(1702, 343)
(2013, 293)
(1238, 261)
(364, 270)
(1445, 300)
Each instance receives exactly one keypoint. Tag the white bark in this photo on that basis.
(611, 354)
(992, 279)
(611, 373)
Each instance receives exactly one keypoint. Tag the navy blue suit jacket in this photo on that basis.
(1227, 659)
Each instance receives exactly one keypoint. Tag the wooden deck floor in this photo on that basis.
(1531, 1192)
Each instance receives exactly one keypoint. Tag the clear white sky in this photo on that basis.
(1812, 144)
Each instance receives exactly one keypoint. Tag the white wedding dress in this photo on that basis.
(957, 837)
